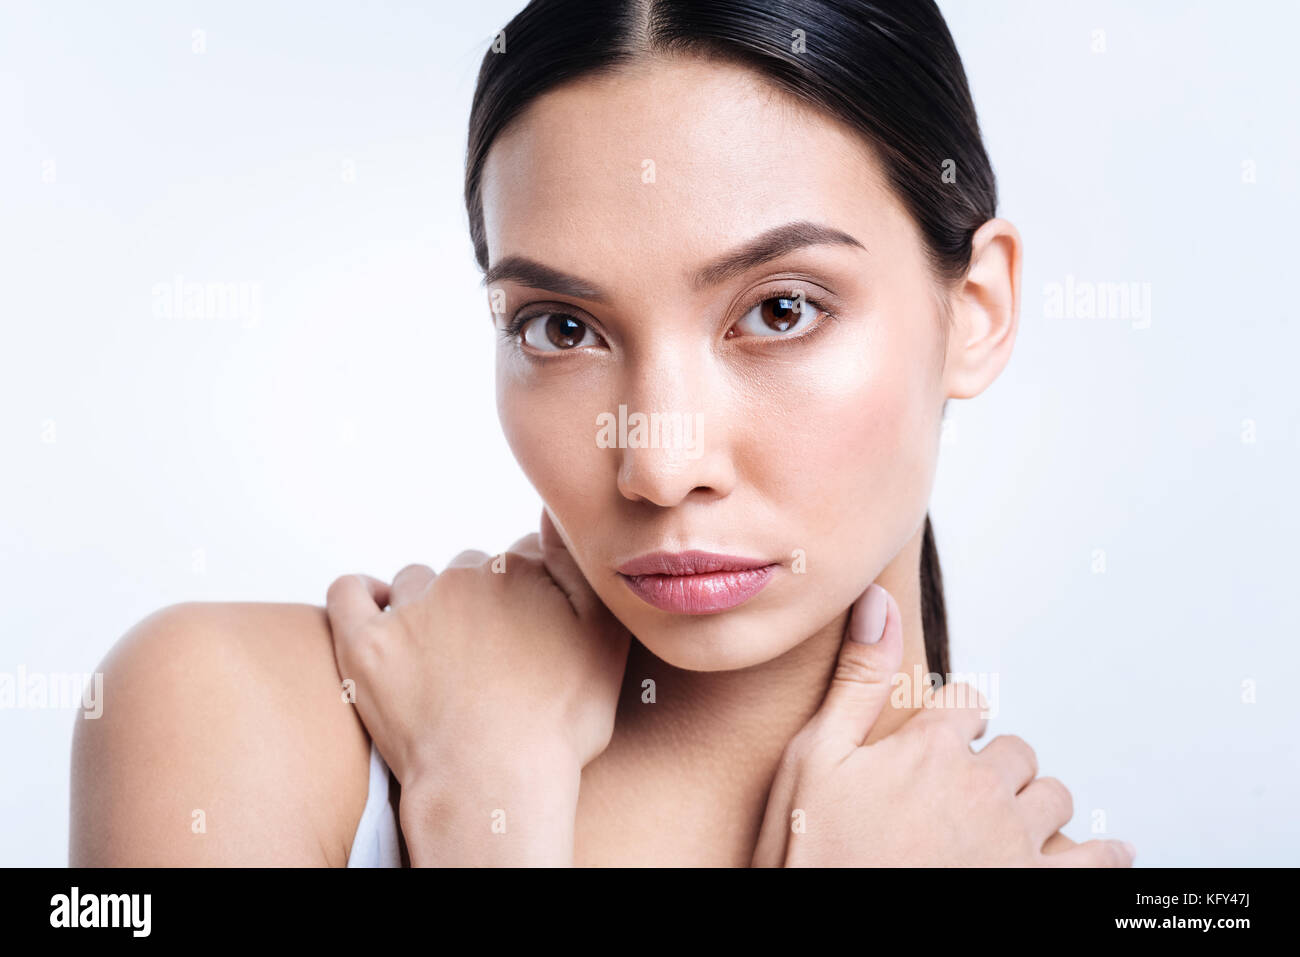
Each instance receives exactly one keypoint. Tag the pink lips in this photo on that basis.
(695, 582)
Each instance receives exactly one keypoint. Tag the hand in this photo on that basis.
(485, 686)
(920, 796)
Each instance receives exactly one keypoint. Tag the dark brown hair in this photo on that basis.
(888, 68)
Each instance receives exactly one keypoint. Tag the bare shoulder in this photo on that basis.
(224, 740)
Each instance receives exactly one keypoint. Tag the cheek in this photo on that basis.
(855, 463)
(551, 432)
(882, 474)
(545, 431)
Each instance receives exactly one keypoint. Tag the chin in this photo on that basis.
(726, 641)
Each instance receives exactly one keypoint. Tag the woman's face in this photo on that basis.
(807, 434)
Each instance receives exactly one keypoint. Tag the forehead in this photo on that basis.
(666, 162)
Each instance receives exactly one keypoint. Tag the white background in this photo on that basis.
(353, 427)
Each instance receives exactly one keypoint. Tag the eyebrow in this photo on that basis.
(766, 246)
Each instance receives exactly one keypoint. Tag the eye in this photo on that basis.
(785, 315)
(554, 332)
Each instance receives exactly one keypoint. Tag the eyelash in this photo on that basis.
(510, 332)
(826, 315)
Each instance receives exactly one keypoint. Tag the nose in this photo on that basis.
(672, 441)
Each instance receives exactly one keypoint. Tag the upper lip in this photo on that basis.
(693, 562)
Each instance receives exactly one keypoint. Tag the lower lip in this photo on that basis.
(699, 594)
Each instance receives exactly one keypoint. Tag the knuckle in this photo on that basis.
(339, 586)
(801, 748)
(415, 568)
(1030, 755)
(531, 542)
(456, 576)
(1019, 744)
(1059, 795)
(796, 751)
(516, 561)
(963, 694)
(456, 588)
(859, 669)
(1020, 747)
(941, 733)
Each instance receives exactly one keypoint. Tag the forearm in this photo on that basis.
(486, 815)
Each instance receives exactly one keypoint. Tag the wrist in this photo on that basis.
(492, 812)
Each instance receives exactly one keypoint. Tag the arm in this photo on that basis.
(223, 742)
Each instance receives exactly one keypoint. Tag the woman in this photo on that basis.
(738, 256)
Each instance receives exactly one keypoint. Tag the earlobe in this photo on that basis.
(985, 311)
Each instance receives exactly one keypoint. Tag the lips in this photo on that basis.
(695, 582)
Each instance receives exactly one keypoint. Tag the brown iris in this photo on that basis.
(782, 316)
(564, 332)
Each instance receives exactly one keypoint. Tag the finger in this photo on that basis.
(774, 833)
(409, 584)
(1014, 759)
(961, 704)
(468, 559)
(1095, 853)
(563, 569)
(1046, 806)
(530, 544)
(845, 718)
(352, 600)
(870, 655)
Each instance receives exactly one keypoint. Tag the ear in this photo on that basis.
(985, 310)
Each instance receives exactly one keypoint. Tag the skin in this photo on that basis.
(825, 444)
(231, 710)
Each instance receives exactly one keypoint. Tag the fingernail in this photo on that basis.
(874, 610)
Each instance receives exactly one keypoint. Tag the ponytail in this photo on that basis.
(934, 620)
